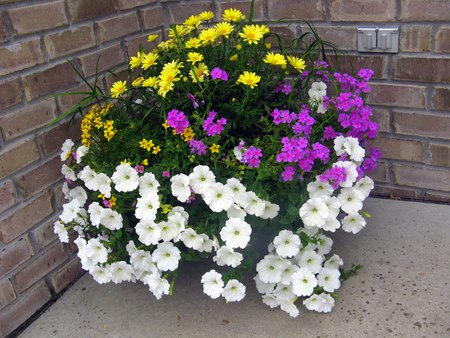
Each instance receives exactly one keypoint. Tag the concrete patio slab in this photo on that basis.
(403, 290)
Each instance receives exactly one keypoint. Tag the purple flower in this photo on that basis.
(288, 173)
(213, 128)
(194, 101)
(219, 74)
(197, 147)
(252, 156)
(365, 74)
(177, 120)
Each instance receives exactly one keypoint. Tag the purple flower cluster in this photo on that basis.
(214, 128)
(370, 162)
(197, 147)
(288, 173)
(177, 120)
(335, 175)
(283, 88)
(252, 157)
(219, 74)
(303, 120)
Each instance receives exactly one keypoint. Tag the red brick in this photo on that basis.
(397, 95)
(7, 293)
(382, 118)
(424, 10)
(40, 267)
(127, 4)
(14, 254)
(24, 19)
(380, 172)
(435, 126)
(285, 33)
(20, 56)
(396, 149)
(10, 93)
(17, 156)
(441, 98)
(415, 38)
(8, 195)
(437, 196)
(49, 80)
(132, 44)
(87, 9)
(53, 139)
(422, 177)
(345, 38)
(152, 17)
(44, 234)
(66, 102)
(40, 178)
(422, 69)
(296, 9)
(3, 31)
(66, 275)
(113, 28)
(119, 75)
(244, 7)
(351, 64)
(58, 196)
(24, 218)
(362, 10)
(29, 303)
(106, 59)
(394, 192)
(180, 12)
(440, 155)
(443, 40)
(30, 118)
(69, 41)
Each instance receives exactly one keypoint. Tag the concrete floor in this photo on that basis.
(403, 290)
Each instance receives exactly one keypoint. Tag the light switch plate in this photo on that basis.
(378, 39)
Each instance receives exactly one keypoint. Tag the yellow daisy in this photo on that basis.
(275, 59)
(297, 63)
(233, 15)
(135, 61)
(208, 35)
(152, 37)
(224, 29)
(249, 79)
(251, 34)
(149, 60)
(118, 88)
(150, 82)
(206, 15)
(194, 57)
(201, 71)
(193, 43)
(138, 82)
(193, 21)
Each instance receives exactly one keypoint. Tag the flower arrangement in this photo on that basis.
(214, 135)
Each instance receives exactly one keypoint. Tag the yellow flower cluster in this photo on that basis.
(93, 119)
(146, 144)
(188, 134)
(109, 131)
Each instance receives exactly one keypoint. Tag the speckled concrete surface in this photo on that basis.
(403, 291)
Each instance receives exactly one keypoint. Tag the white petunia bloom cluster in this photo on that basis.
(316, 95)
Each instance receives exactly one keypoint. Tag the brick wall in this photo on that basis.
(411, 92)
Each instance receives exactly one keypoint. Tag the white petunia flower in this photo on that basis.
(81, 151)
(319, 189)
(303, 282)
(324, 244)
(166, 256)
(314, 213)
(181, 211)
(254, 205)
(365, 186)
(121, 272)
(207, 244)
(328, 279)
(142, 260)
(101, 275)
(88, 176)
(270, 210)
(320, 303)
(340, 145)
(190, 238)
(201, 178)
(283, 291)
(171, 230)
(96, 251)
(219, 197)
(351, 200)
(148, 231)
(331, 224)
(125, 178)
(334, 206)
(239, 191)
(234, 291)
(235, 212)
(111, 219)
(289, 307)
(270, 300)
(103, 183)
(70, 211)
(288, 271)
(353, 223)
(270, 269)
(79, 194)
(95, 212)
(287, 244)
(157, 285)
(227, 256)
(263, 288)
(148, 184)
(68, 173)
(60, 229)
(212, 284)
(310, 259)
(147, 207)
(334, 262)
(66, 149)
(236, 233)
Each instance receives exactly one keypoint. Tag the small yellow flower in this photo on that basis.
(214, 148)
(188, 134)
(125, 161)
(249, 79)
(238, 47)
(194, 57)
(233, 15)
(268, 45)
(112, 202)
(224, 29)
(193, 43)
(135, 61)
(150, 82)
(156, 150)
(101, 196)
(166, 208)
(149, 60)
(109, 130)
(264, 29)
(146, 144)
(118, 88)
(233, 57)
(144, 162)
(275, 59)
(165, 124)
(152, 37)
(208, 35)
(137, 82)
(297, 63)
(206, 15)
(251, 34)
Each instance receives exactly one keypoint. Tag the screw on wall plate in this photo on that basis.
(378, 39)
